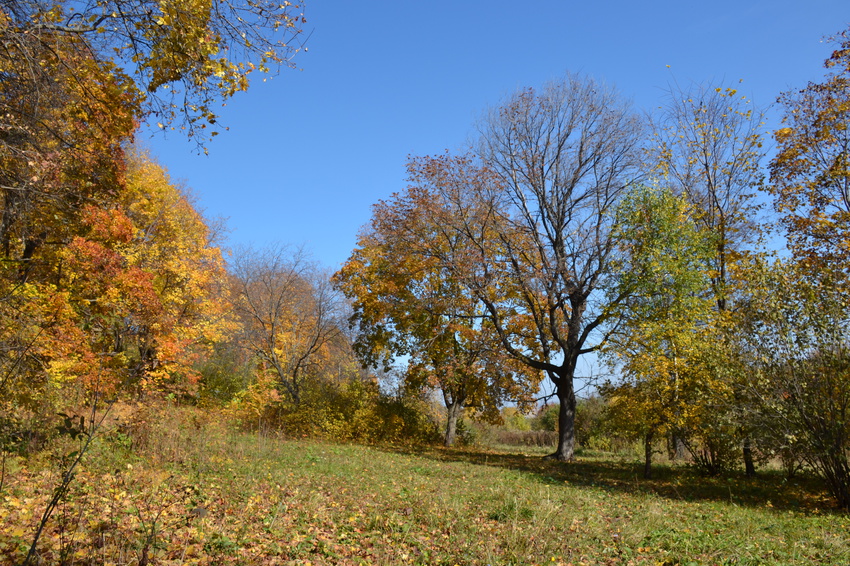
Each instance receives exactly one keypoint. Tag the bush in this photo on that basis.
(352, 410)
(592, 427)
(224, 374)
(546, 418)
(515, 420)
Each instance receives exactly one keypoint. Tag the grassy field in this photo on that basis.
(188, 490)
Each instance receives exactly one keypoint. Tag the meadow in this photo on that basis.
(182, 487)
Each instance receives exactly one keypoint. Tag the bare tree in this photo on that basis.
(290, 312)
(558, 162)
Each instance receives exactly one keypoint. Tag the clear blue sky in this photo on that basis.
(309, 152)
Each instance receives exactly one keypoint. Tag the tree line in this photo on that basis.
(576, 225)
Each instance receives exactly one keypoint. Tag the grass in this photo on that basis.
(190, 491)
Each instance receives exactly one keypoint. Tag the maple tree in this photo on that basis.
(53, 167)
(78, 79)
(52, 161)
(131, 300)
(810, 174)
(178, 247)
(143, 280)
(407, 282)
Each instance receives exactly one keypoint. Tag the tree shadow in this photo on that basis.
(769, 489)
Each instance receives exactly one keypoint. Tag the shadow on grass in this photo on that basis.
(769, 489)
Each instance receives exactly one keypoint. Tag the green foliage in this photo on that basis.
(546, 418)
(224, 373)
(513, 419)
(351, 410)
(593, 430)
(669, 328)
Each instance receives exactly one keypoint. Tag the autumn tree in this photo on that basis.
(290, 313)
(407, 282)
(553, 164)
(179, 248)
(144, 280)
(563, 156)
(707, 144)
(810, 174)
(77, 80)
(795, 329)
(178, 57)
(665, 321)
(131, 301)
(708, 147)
(65, 115)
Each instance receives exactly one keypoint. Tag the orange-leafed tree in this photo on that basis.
(146, 278)
(810, 174)
(77, 80)
(132, 299)
(407, 281)
(179, 247)
(65, 115)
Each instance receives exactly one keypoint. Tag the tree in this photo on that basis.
(77, 80)
(177, 245)
(666, 318)
(52, 161)
(177, 57)
(407, 303)
(553, 166)
(796, 314)
(290, 314)
(144, 281)
(79, 77)
(563, 157)
(796, 340)
(810, 174)
(708, 146)
(131, 300)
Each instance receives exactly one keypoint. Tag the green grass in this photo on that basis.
(199, 493)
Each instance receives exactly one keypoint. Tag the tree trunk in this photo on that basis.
(749, 465)
(453, 411)
(675, 447)
(566, 422)
(647, 455)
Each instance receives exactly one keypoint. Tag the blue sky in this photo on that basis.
(310, 151)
